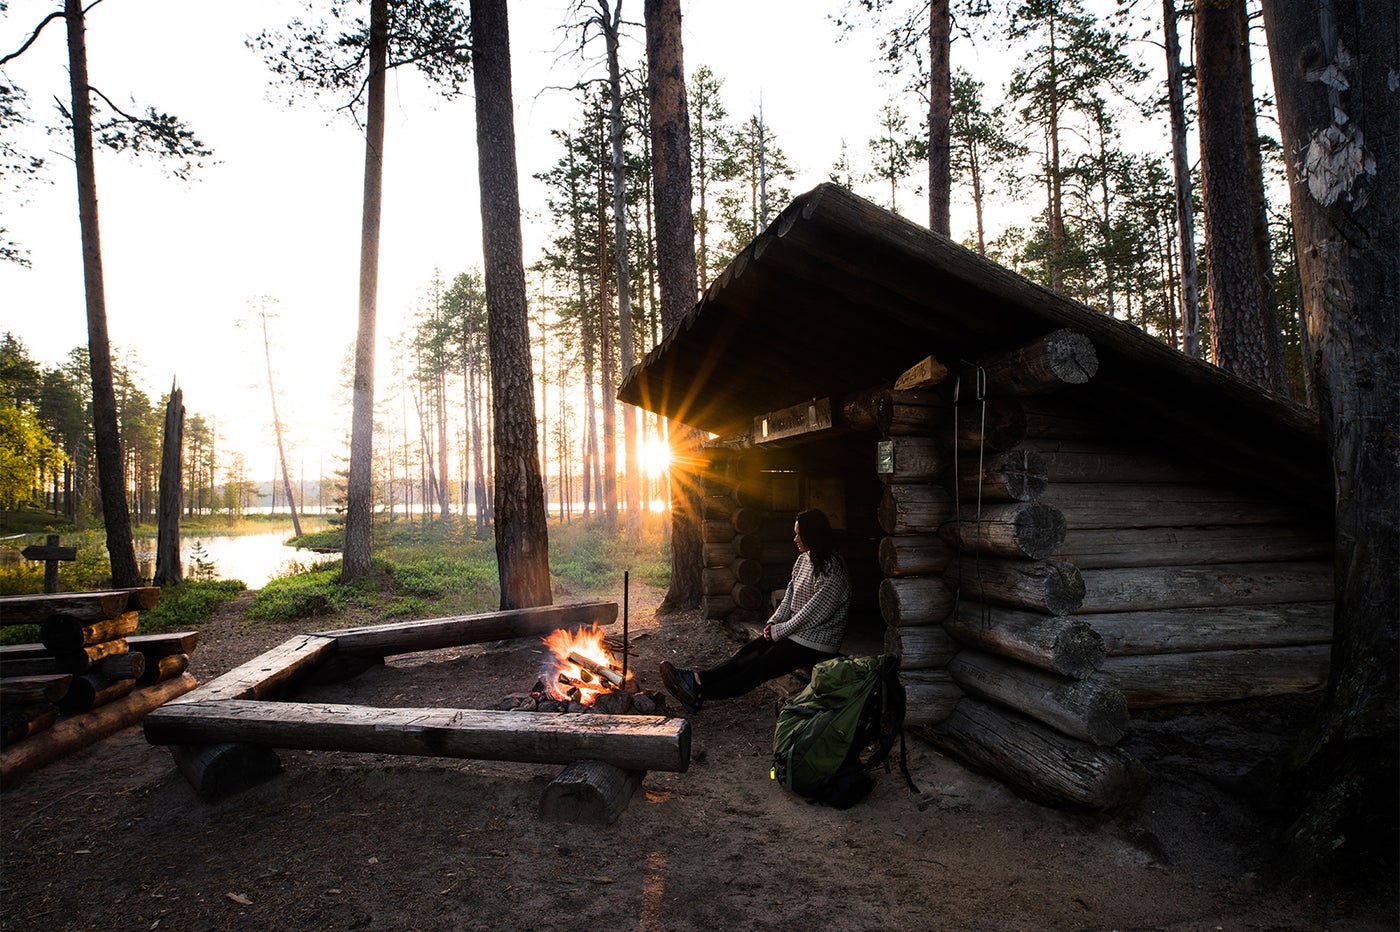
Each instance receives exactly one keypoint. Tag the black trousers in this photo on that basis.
(756, 663)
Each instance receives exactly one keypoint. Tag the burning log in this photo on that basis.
(600, 670)
(589, 792)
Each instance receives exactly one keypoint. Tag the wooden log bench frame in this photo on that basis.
(222, 732)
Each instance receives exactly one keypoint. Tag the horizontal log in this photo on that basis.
(270, 674)
(719, 554)
(163, 668)
(913, 555)
(86, 606)
(914, 509)
(1023, 530)
(90, 690)
(716, 532)
(1046, 364)
(924, 374)
(915, 600)
(777, 553)
(64, 632)
(9, 652)
(902, 460)
(22, 690)
(459, 630)
(717, 579)
(128, 666)
(1102, 460)
(1150, 588)
(83, 659)
(1012, 476)
(1066, 645)
(717, 507)
(170, 642)
(749, 597)
(1043, 586)
(748, 571)
(1235, 627)
(719, 606)
(927, 647)
(1004, 423)
(18, 722)
(930, 696)
(749, 545)
(1036, 760)
(745, 520)
(217, 771)
(1088, 709)
(1104, 548)
(1129, 505)
(79, 731)
(632, 742)
(589, 792)
(1153, 680)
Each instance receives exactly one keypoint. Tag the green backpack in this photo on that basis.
(850, 704)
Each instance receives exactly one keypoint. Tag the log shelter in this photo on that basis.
(1053, 517)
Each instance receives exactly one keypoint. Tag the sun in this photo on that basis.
(656, 457)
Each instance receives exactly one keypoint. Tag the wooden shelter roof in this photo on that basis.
(839, 295)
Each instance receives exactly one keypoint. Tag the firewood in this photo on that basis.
(589, 792)
(628, 741)
(603, 671)
(65, 633)
(1037, 760)
(1066, 645)
(1088, 709)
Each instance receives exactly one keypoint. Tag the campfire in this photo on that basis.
(581, 668)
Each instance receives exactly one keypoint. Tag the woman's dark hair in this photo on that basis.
(815, 530)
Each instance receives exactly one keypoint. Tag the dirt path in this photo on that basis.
(112, 837)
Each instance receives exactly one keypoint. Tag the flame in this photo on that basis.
(586, 643)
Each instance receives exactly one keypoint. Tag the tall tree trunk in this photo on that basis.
(168, 569)
(1057, 220)
(1334, 64)
(608, 492)
(1181, 177)
(522, 537)
(359, 490)
(610, 18)
(1244, 332)
(675, 252)
(111, 480)
(277, 429)
(940, 117)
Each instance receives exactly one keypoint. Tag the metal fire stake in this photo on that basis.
(625, 574)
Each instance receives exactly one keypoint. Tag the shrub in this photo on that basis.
(191, 602)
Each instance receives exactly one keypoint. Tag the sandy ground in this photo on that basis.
(112, 837)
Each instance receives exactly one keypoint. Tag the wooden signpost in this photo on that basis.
(51, 553)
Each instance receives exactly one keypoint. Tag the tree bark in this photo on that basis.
(111, 483)
(940, 116)
(277, 428)
(522, 539)
(676, 276)
(1334, 66)
(359, 491)
(172, 493)
(1181, 177)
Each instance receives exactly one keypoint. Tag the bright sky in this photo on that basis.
(279, 215)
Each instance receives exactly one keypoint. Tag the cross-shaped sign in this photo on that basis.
(50, 553)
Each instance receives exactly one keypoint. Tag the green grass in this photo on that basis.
(188, 604)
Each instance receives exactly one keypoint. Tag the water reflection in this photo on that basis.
(253, 558)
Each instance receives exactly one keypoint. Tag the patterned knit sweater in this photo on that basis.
(813, 611)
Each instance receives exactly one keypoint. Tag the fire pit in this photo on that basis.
(581, 674)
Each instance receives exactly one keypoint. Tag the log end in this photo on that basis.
(589, 792)
(1039, 530)
(217, 771)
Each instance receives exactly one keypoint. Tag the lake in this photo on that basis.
(253, 558)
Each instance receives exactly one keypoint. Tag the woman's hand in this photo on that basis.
(768, 631)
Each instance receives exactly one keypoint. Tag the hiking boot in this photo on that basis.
(681, 684)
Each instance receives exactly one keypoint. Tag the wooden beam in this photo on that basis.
(1231, 627)
(1037, 760)
(926, 647)
(915, 600)
(914, 509)
(1110, 505)
(436, 633)
(926, 373)
(914, 555)
(1088, 709)
(64, 632)
(1020, 530)
(1044, 586)
(930, 696)
(632, 742)
(1105, 548)
(1066, 645)
(271, 673)
(799, 420)
(1155, 680)
(1151, 588)
(78, 731)
(1046, 364)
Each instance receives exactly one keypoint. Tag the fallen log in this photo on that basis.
(1233, 627)
(61, 633)
(1036, 760)
(436, 633)
(21, 690)
(163, 668)
(1161, 587)
(930, 696)
(1152, 680)
(912, 459)
(1128, 505)
(86, 606)
(1087, 709)
(589, 792)
(1065, 645)
(1012, 476)
(271, 673)
(77, 731)
(1019, 531)
(915, 600)
(1109, 548)
(914, 509)
(914, 555)
(923, 648)
(217, 771)
(1044, 586)
(632, 742)
(90, 690)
